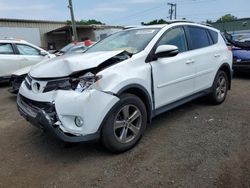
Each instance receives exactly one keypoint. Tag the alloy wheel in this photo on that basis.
(221, 88)
(127, 124)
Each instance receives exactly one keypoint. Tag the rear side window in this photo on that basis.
(27, 50)
(199, 37)
(6, 49)
(176, 37)
(214, 36)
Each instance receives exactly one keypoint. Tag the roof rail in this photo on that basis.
(178, 21)
(7, 38)
(130, 27)
(187, 21)
(11, 38)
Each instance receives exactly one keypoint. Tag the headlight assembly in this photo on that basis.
(78, 84)
(85, 81)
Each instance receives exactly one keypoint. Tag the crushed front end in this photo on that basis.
(70, 111)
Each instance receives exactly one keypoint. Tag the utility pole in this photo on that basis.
(172, 10)
(74, 38)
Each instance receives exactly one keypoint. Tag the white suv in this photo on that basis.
(17, 54)
(114, 89)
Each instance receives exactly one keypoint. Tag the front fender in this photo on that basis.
(91, 105)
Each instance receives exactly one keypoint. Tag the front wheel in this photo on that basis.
(125, 124)
(220, 88)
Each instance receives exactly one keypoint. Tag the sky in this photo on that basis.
(123, 12)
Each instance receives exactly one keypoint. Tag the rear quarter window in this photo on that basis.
(199, 37)
(214, 36)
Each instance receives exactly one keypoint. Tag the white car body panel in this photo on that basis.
(178, 83)
(92, 112)
(22, 71)
(9, 63)
(71, 63)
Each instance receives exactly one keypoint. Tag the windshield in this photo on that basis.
(133, 41)
(67, 47)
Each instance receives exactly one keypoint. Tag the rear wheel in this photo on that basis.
(220, 88)
(125, 124)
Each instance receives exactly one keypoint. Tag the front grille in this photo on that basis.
(46, 106)
(51, 85)
(57, 84)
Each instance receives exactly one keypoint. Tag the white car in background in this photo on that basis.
(17, 54)
(18, 76)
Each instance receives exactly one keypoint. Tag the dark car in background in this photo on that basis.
(241, 60)
(74, 47)
(71, 48)
(241, 56)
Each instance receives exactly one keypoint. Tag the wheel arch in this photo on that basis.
(142, 93)
(226, 68)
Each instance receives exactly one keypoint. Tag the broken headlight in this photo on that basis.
(84, 82)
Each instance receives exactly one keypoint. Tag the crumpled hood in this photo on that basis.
(22, 71)
(67, 64)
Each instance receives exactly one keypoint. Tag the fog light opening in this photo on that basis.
(79, 121)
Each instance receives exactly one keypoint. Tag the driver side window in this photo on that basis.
(27, 50)
(176, 37)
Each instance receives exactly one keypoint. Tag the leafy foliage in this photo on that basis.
(227, 18)
(154, 22)
(86, 22)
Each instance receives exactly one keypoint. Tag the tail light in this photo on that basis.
(229, 48)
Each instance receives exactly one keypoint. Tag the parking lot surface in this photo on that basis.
(195, 145)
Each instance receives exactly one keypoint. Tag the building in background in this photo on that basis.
(239, 28)
(51, 33)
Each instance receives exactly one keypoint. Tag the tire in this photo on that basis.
(219, 88)
(125, 124)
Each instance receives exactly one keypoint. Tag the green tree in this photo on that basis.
(86, 22)
(227, 18)
(154, 22)
(209, 21)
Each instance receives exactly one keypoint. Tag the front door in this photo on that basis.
(29, 55)
(9, 61)
(173, 77)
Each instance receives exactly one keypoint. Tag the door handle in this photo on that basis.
(216, 55)
(190, 61)
(24, 59)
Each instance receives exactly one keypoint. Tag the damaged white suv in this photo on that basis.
(114, 89)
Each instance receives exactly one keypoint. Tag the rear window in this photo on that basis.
(199, 37)
(6, 48)
(214, 36)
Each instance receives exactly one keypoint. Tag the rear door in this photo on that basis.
(173, 77)
(205, 55)
(9, 62)
(29, 55)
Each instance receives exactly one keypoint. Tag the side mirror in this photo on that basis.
(166, 51)
(43, 53)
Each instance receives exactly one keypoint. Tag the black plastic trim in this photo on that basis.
(180, 102)
(149, 100)
(231, 73)
(43, 121)
(150, 56)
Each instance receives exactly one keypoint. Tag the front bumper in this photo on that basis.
(15, 83)
(241, 66)
(40, 118)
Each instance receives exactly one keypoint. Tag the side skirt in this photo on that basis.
(175, 104)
